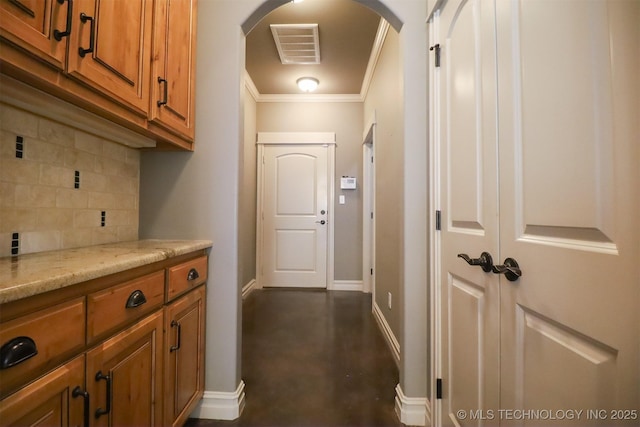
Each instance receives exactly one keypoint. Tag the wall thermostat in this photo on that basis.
(348, 183)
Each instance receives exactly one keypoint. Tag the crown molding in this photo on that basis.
(378, 43)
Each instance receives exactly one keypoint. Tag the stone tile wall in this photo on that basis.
(63, 188)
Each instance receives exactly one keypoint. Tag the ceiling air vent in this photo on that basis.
(297, 43)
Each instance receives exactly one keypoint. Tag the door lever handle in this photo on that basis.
(510, 269)
(322, 222)
(485, 261)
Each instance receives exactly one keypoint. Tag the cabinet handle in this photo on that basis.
(193, 274)
(107, 378)
(57, 34)
(177, 346)
(77, 392)
(136, 299)
(92, 41)
(17, 351)
(165, 93)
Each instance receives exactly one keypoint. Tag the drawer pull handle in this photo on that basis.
(77, 392)
(17, 351)
(107, 378)
(136, 299)
(165, 93)
(57, 34)
(177, 346)
(193, 274)
(92, 40)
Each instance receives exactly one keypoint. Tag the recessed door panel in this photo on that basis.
(465, 142)
(468, 341)
(564, 154)
(296, 184)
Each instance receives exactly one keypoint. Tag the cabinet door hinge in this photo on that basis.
(436, 48)
(438, 220)
(439, 388)
(372, 271)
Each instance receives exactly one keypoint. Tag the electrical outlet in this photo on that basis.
(389, 299)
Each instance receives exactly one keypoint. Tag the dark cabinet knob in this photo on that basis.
(17, 351)
(193, 274)
(136, 299)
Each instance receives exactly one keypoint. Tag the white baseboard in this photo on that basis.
(412, 411)
(217, 405)
(248, 288)
(348, 285)
(392, 342)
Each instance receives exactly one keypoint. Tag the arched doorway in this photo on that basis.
(200, 195)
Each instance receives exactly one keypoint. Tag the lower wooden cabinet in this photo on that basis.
(184, 356)
(146, 367)
(56, 399)
(124, 379)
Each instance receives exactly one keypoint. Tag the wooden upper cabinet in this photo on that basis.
(173, 66)
(39, 26)
(110, 48)
(129, 61)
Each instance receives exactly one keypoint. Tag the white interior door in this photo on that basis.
(295, 210)
(551, 182)
(470, 310)
(569, 187)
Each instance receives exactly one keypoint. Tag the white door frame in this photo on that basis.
(327, 139)
(369, 208)
(435, 258)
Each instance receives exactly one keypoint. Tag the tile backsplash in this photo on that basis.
(63, 188)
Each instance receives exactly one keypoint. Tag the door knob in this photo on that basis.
(510, 269)
(322, 222)
(485, 261)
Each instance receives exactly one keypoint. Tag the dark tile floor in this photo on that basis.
(313, 358)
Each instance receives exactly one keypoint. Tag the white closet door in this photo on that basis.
(569, 161)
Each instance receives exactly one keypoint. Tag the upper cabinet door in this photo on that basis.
(39, 26)
(173, 76)
(110, 49)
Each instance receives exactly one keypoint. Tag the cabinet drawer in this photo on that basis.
(56, 333)
(185, 276)
(115, 307)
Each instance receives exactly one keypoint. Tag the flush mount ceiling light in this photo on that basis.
(307, 84)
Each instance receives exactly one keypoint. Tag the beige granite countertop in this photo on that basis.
(31, 274)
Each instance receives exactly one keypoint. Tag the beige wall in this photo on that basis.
(247, 217)
(346, 120)
(385, 99)
(38, 198)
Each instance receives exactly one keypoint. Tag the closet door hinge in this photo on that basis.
(436, 48)
(439, 388)
(438, 220)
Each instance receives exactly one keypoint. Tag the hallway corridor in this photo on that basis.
(313, 358)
